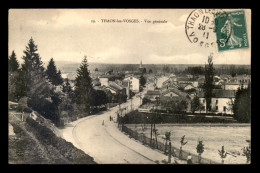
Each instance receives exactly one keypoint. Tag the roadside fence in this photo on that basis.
(162, 147)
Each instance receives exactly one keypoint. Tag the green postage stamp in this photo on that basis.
(231, 30)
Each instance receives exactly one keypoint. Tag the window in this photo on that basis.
(224, 108)
(216, 108)
(203, 100)
(171, 94)
(216, 101)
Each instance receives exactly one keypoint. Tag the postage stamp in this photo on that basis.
(231, 30)
(200, 26)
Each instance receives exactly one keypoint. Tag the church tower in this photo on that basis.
(141, 68)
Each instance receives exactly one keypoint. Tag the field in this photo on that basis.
(232, 136)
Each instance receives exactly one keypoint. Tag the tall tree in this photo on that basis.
(83, 86)
(242, 104)
(13, 64)
(13, 78)
(209, 82)
(40, 93)
(53, 75)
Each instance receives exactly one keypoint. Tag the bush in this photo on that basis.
(22, 105)
(136, 117)
(47, 137)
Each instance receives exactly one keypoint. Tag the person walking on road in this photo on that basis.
(189, 159)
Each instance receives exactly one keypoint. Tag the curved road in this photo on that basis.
(106, 143)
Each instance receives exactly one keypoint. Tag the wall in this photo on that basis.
(134, 84)
(103, 81)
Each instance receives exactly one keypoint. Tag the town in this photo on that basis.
(88, 92)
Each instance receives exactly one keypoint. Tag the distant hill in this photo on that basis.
(71, 68)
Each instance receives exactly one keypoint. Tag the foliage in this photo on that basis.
(150, 71)
(176, 106)
(146, 100)
(168, 136)
(183, 142)
(194, 71)
(242, 105)
(53, 75)
(247, 152)
(200, 149)
(142, 81)
(98, 98)
(195, 104)
(48, 138)
(22, 105)
(13, 64)
(40, 92)
(222, 153)
(209, 82)
(83, 86)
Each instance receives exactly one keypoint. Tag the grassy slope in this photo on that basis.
(36, 144)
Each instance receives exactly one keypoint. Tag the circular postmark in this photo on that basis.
(201, 26)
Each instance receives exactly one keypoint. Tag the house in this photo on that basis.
(237, 82)
(174, 94)
(134, 83)
(153, 95)
(96, 82)
(104, 79)
(116, 90)
(187, 80)
(188, 87)
(220, 103)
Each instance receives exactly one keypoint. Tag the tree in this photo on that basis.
(247, 152)
(167, 138)
(209, 82)
(83, 87)
(142, 80)
(242, 105)
(150, 71)
(195, 104)
(96, 69)
(53, 75)
(13, 64)
(15, 80)
(145, 100)
(40, 92)
(182, 144)
(200, 149)
(222, 153)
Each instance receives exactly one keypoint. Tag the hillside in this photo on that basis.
(36, 141)
(70, 68)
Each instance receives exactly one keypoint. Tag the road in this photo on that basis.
(106, 143)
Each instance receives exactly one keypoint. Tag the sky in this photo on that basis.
(69, 35)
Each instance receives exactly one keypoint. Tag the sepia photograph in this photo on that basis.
(129, 86)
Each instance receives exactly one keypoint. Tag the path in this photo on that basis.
(106, 143)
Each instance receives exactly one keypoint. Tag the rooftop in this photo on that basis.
(219, 93)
